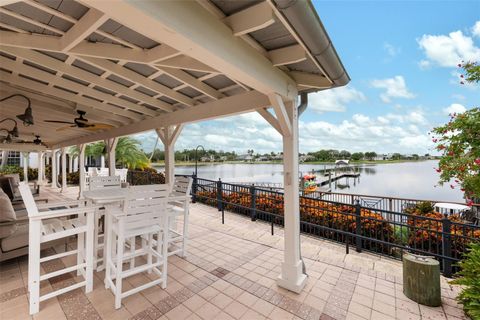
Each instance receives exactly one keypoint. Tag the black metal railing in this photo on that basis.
(355, 223)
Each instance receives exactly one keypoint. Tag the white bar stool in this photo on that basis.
(143, 214)
(46, 226)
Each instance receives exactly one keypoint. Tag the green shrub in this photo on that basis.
(470, 278)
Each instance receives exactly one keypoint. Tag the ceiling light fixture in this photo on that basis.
(27, 116)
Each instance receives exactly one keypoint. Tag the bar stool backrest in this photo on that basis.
(28, 200)
(145, 206)
(181, 186)
(100, 182)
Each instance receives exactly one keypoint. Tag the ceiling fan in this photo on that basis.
(82, 123)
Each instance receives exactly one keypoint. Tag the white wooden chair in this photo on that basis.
(181, 189)
(98, 183)
(66, 219)
(142, 214)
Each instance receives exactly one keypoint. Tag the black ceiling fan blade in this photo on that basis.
(59, 121)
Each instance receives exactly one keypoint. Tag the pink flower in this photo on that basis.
(469, 202)
(452, 186)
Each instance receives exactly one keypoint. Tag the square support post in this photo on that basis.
(54, 169)
(26, 158)
(81, 170)
(111, 146)
(169, 136)
(41, 167)
(292, 276)
(64, 169)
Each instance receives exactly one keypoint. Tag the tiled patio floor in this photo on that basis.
(230, 273)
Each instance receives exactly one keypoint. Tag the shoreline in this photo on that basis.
(185, 163)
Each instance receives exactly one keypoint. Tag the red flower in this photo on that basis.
(477, 161)
(438, 169)
(469, 202)
(452, 186)
(434, 140)
(441, 147)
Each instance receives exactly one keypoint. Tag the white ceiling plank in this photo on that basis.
(251, 19)
(270, 119)
(31, 21)
(310, 80)
(185, 62)
(74, 86)
(192, 31)
(52, 11)
(51, 107)
(193, 82)
(137, 78)
(22, 147)
(287, 55)
(66, 68)
(31, 41)
(161, 52)
(59, 103)
(66, 95)
(90, 21)
(281, 113)
(228, 106)
(12, 28)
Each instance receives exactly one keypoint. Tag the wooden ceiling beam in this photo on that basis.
(251, 19)
(90, 21)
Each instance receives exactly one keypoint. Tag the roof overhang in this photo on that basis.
(140, 65)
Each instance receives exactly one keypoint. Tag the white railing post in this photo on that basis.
(26, 158)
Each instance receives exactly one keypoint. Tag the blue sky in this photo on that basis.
(401, 57)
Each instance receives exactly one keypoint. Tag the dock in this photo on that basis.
(331, 178)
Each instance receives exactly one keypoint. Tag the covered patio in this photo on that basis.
(133, 66)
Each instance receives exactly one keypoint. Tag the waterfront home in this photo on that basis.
(77, 72)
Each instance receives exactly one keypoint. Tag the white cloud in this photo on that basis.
(476, 29)
(448, 50)
(394, 88)
(406, 133)
(454, 108)
(391, 50)
(334, 100)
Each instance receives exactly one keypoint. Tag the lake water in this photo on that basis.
(416, 180)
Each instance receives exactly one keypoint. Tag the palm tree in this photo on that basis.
(127, 154)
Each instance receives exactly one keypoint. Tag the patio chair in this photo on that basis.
(181, 189)
(97, 183)
(50, 225)
(143, 214)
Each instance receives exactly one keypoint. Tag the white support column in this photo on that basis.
(102, 161)
(81, 168)
(111, 146)
(292, 277)
(64, 169)
(70, 163)
(169, 136)
(40, 167)
(54, 169)
(26, 158)
(4, 158)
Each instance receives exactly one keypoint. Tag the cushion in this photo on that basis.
(17, 240)
(6, 209)
(15, 183)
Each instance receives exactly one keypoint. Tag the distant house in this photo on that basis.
(380, 157)
(306, 158)
(262, 158)
(207, 158)
(244, 157)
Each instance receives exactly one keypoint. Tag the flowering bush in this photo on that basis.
(425, 230)
(331, 216)
(459, 143)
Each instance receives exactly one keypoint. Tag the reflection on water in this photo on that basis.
(404, 180)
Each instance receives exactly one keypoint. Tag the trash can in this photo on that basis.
(421, 279)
